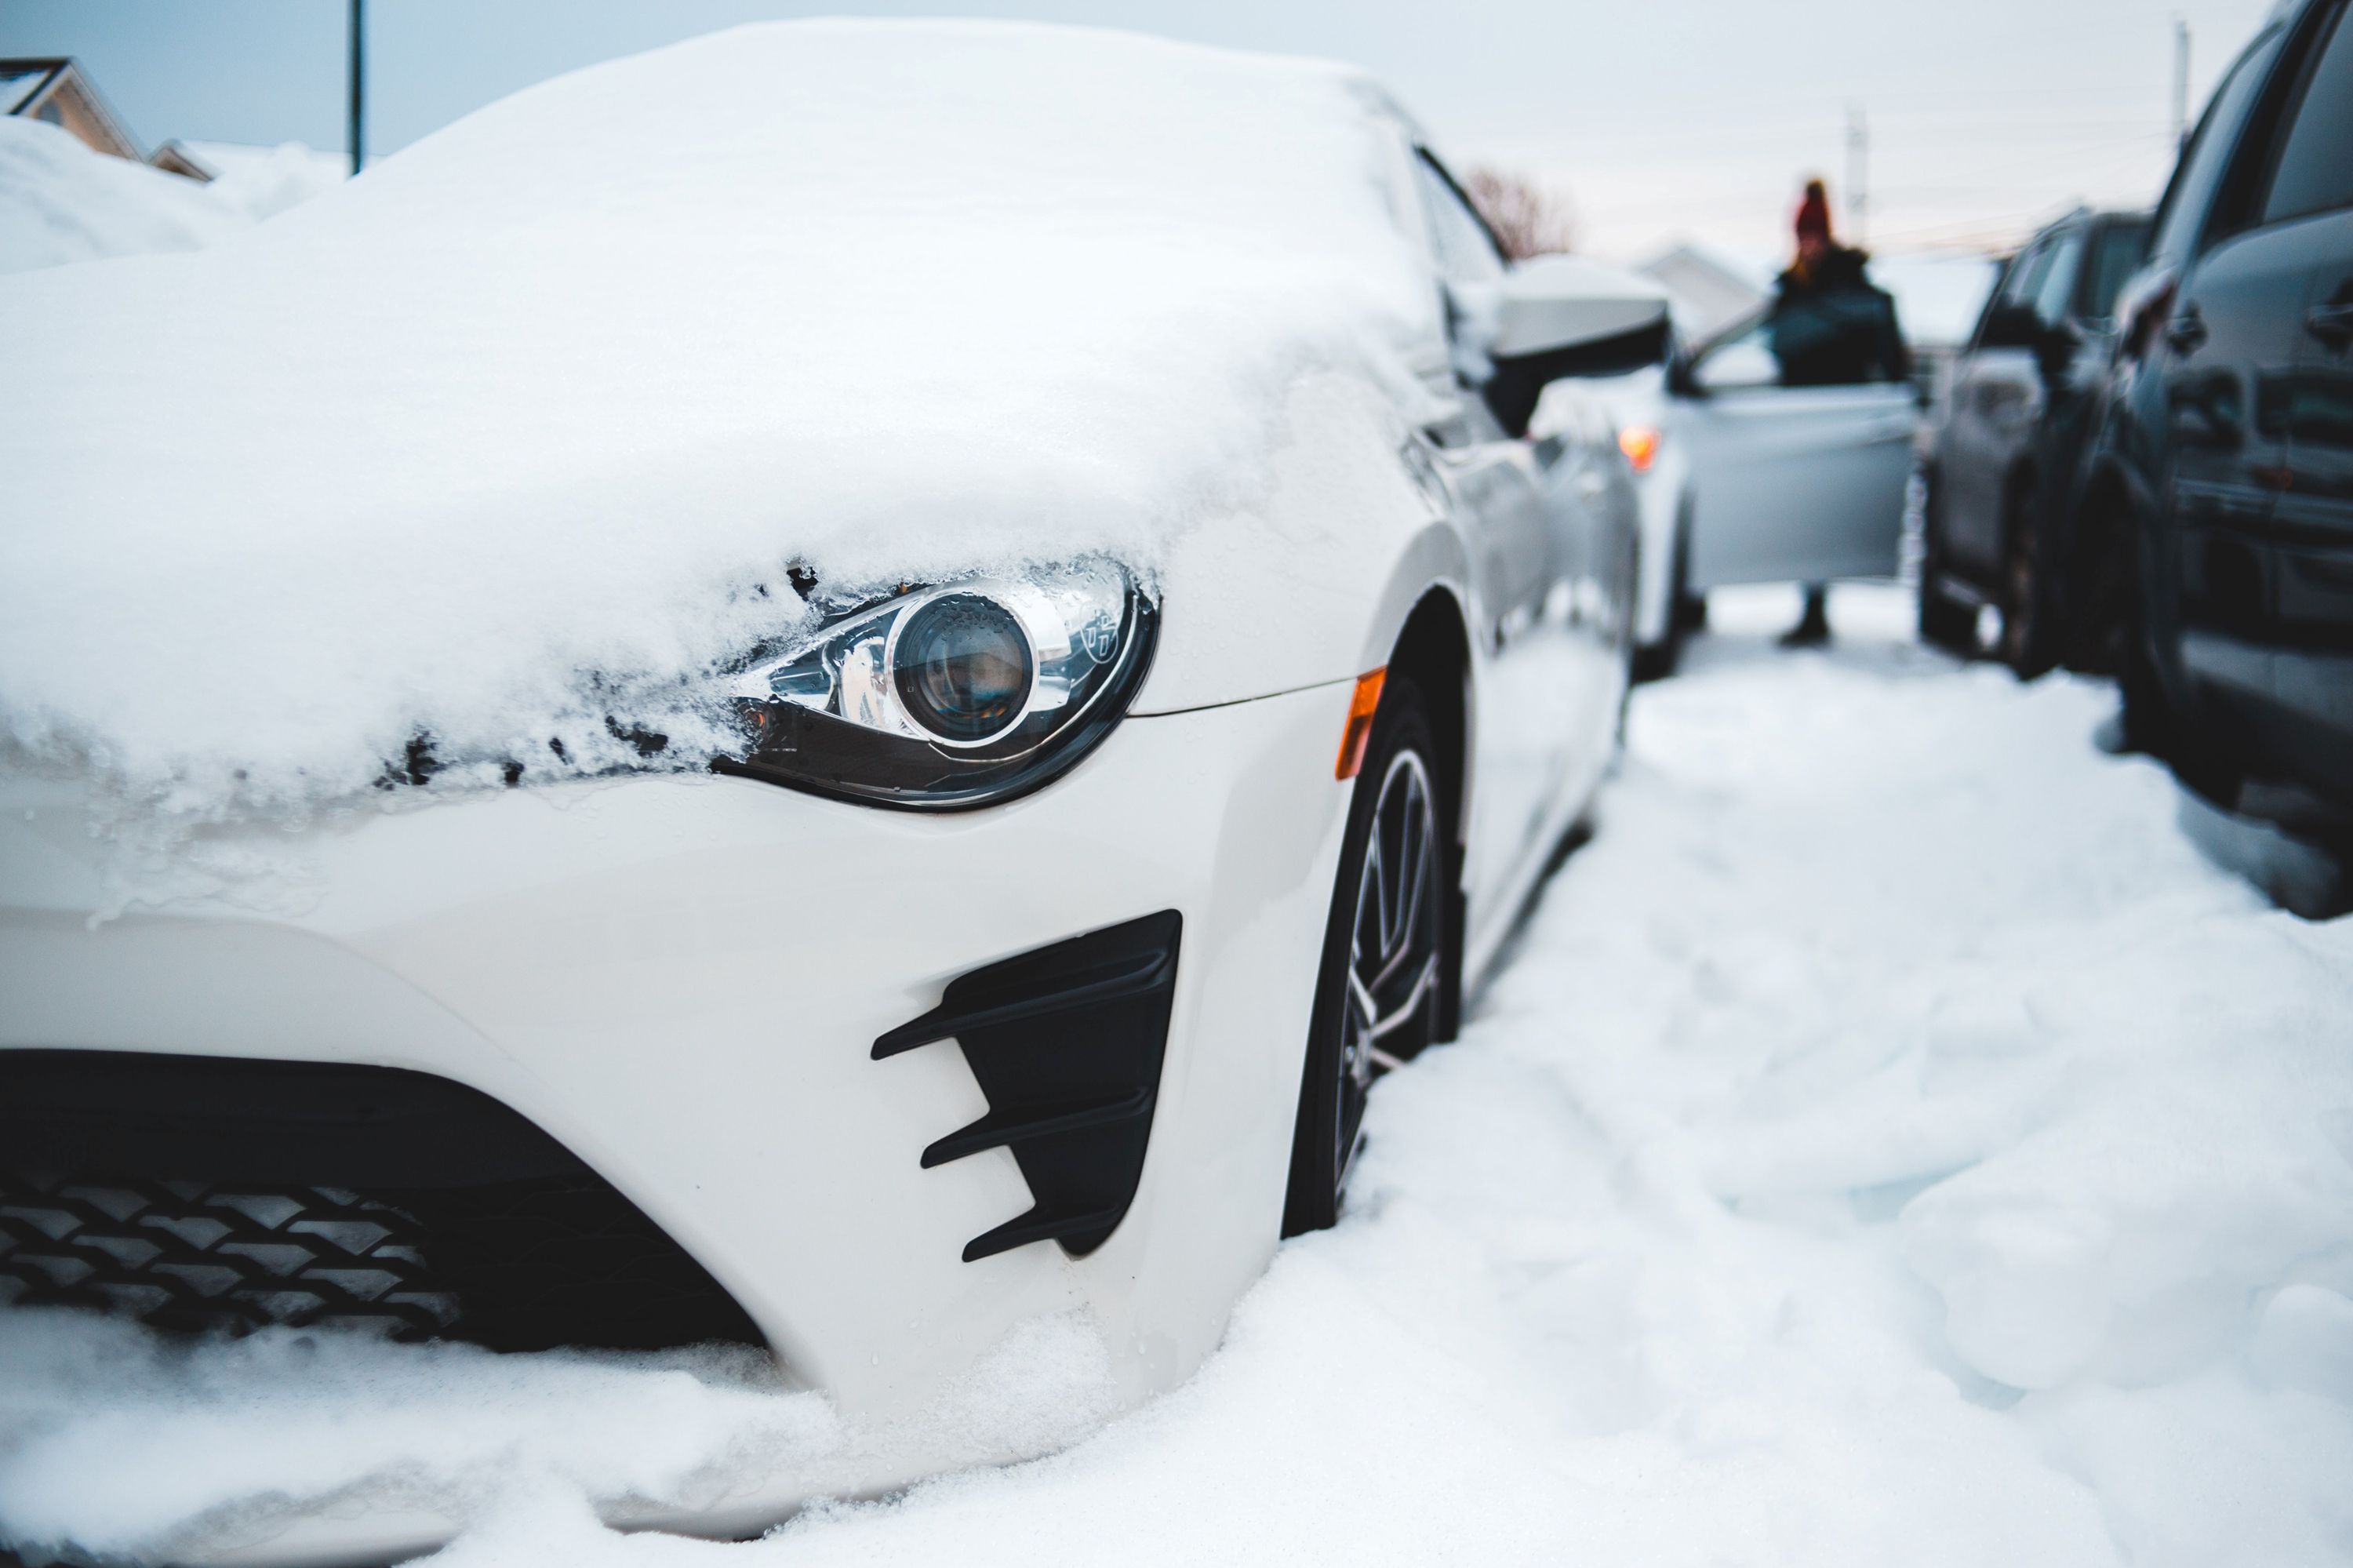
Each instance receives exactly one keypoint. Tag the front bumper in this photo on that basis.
(682, 979)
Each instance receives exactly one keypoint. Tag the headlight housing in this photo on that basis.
(949, 696)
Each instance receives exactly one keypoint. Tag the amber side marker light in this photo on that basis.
(1359, 733)
(1641, 445)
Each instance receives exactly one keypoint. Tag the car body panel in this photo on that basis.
(1661, 494)
(1797, 483)
(2223, 441)
(2008, 445)
(2311, 675)
(608, 960)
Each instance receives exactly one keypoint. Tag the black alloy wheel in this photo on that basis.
(1943, 622)
(1385, 950)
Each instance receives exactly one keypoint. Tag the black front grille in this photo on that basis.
(210, 1195)
(188, 1256)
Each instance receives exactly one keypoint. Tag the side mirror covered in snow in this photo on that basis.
(1563, 315)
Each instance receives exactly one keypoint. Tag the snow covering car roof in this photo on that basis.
(534, 415)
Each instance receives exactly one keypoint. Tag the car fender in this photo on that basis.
(1311, 581)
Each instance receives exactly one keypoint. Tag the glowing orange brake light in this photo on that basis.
(1359, 733)
(1641, 445)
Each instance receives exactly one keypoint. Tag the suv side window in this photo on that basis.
(2315, 169)
(2181, 217)
(1465, 250)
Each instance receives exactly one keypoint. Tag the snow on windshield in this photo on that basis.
(518, 432)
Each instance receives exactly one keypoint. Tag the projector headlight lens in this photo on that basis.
(962, 668)
(953, 695)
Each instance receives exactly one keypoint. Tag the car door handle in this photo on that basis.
(2187, 330)
(2332, 325)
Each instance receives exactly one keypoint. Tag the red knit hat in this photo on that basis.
(1814, 214)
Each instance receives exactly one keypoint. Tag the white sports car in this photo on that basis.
(841, 718)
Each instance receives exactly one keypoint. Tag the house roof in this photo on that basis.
(27, 84)
(21, 80)
(177, 157)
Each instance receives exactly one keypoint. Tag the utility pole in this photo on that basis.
(359, 84)
(1858, 170)
(2180, 79)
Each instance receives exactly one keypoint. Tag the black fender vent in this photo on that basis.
(1066, 1042)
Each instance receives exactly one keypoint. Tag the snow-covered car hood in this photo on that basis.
(520, 430)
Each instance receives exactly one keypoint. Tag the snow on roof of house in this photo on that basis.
(20, 79)
(47, 83)
(60, 202)
(530, 411)
(265, 181)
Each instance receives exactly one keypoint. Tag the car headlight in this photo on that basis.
(959, 695)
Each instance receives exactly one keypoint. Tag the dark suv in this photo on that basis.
(2225, 464)
(2007, 447)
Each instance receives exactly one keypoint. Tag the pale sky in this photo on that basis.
(1659, 120)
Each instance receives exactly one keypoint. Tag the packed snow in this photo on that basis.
(522, 430)
(263, 181)
(1889, 1142)
(61, 202)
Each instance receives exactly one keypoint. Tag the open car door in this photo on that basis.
(1789, 484)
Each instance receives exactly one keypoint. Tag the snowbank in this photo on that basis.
(116, 1443)
(262, 182)
(1890, 1143)
(522, 430)
(61, 202)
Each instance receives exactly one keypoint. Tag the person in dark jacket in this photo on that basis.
(1829, 326)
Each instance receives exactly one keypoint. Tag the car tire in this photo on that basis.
(1943, 623)
(2152, 722)
(1377, 1008)
(2097, 573)
(2027, 612)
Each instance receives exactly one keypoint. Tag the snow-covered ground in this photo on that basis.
(263, 181)
(1891, 1143)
